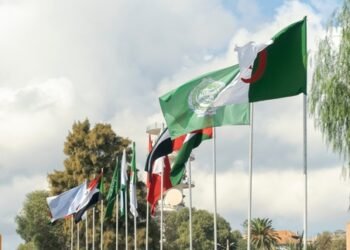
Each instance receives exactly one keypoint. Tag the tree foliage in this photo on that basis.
(263, 235)
(330, 91)
(177, 230)
(87, 151)
(330, 241)
(33, 224)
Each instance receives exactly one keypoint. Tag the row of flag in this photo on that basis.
(270, 70)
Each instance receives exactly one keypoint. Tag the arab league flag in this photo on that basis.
(189, 107)
(113, 190)
(192, 140)
(272, 70)
(133, 182)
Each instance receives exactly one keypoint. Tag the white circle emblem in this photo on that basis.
(203, 95)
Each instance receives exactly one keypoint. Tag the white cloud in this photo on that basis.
(64, 61)
(277, 194)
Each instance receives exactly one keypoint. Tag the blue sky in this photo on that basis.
(63, 61)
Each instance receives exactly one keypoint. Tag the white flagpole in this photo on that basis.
(135, 234)
(161, 208)
(116, 222)
(86, 231)
(126, 217)
(147, 222)
(101, 241)
(305, 168)
(250, 177)
(305, 150)
(78, 238)
(214, 184)
(93, 228)
(190, 194)
(71, 232)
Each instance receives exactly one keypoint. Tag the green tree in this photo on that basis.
(263, 235)
(87, 151)
(330, 91)
(323, 241)
(177, 230)
(33, 224)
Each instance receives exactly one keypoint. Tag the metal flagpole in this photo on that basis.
(126, 217)
(161, 208)
(190, 194)
(214, 183)
(71, 232)
(135, 234)
(250, 176)
(86, 231)
(101, 241)
(116, 222)
(305, 150)
(93, 228)
(305, 168)
(147, 221)
(78, 238)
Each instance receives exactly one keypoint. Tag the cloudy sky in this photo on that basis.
(64, 61)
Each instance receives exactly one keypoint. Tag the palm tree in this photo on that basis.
(263, 235)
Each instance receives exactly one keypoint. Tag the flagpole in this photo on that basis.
(214, 184)
(250, 176)
(116, 222)
(161, 208)
(190, 194)
(305, 169)
(71, 232)
(135, 234)
(126, 217)
(305, 150)
(101, 225)
(93, 228)
(147, 221)
(86, 231)
(78, 238)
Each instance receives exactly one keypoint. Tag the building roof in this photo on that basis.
(286, 237)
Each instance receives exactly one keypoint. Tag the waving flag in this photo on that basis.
(133, 182)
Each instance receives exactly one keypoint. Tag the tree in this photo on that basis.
(263, 235)
(323, 241)
(177, 230)
(330, 241)
(87, 151)
(33, 224)
(330, 91)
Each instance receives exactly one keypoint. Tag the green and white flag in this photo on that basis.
(123, 183)
(267, 71)
(113, 190)
(133, 182)
(272, 70)
(189, 107)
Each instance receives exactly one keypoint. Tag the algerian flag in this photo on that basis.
(192, 140)
(133, 181)
(113, 190)
(189, 107)
(268, 71)
(123, 183)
